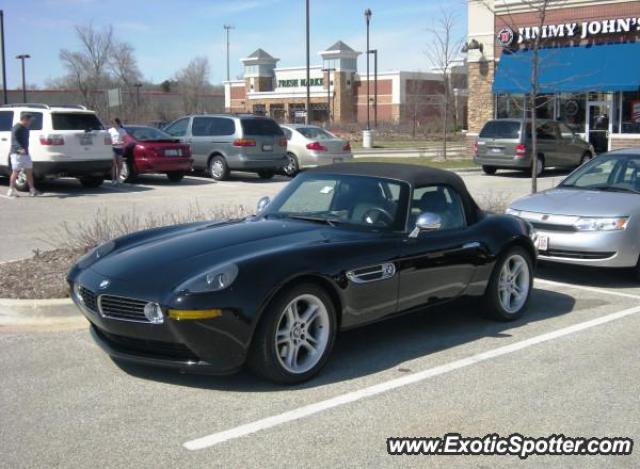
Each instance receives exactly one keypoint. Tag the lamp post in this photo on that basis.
(227, 28)
(329, 70)
(4, 62)
(137, 86)
(307, 117)
(375, 86)
(367, 17)
(22, 58)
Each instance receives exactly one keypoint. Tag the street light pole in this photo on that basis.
(307, 118)
(367, 16)
(4, 62)
(375, 86)
(22, 58)
(138, 86)
(227, 28)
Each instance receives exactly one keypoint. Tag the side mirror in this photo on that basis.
(262, 203)
(426, 221)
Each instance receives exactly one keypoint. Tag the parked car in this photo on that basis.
(593, 216)
(506, 143)
(65, 141)
(221, 143)
(310, 146)
(150, 150)
(341, 246)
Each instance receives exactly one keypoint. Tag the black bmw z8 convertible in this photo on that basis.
(341, 246)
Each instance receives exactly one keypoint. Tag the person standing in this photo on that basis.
(118, 135)
(20, 158)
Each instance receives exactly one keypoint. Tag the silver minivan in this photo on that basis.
(506, 143)
(221, 143)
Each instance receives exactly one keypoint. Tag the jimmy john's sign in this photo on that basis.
(578, 30)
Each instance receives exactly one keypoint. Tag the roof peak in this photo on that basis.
(340, 46)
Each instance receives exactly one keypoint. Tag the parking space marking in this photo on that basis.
(589, 289)
(315, 408)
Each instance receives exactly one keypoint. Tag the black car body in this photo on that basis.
(368, 271)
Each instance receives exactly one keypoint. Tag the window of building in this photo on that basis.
(251, 70)
(626, 113)
(509, 106)
(572, 110)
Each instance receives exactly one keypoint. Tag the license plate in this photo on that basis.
(542, 243)
(173, 152)
(496, 150)
(267, 147)
(86, 139)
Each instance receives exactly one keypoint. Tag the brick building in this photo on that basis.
(336, 88)
(588, 66)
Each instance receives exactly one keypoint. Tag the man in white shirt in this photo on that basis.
(118, 135)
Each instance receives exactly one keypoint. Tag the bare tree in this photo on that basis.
(442, 54)
(193, 81)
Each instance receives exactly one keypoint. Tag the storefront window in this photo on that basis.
(572, 110)
(545, 106)
(259, 109)
(509, 106)
(626, 113)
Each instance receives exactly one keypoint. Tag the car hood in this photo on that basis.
(585, 203)
(166, 259)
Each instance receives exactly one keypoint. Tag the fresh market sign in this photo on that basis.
(295, 83)
(583, 30)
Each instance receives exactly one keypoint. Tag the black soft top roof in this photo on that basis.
(415, 175)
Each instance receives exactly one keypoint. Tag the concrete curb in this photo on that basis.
(36, 312)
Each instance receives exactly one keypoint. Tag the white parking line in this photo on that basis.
(311, 409)
(589, 289)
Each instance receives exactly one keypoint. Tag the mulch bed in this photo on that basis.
(42, 276)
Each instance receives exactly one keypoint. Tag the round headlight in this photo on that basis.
(153, 313)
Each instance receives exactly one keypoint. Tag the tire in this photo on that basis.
(281, 330)
(266, 174)
(586, 158)
(218, 168)
(496, 300)
(293, 167)
(128, 172)
(91, 182)
(540, 166)
(489, 169)
(21, 182)
(175, 176)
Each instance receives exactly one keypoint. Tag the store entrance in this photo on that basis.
(598, 120)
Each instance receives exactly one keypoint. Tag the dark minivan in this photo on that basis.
(221, 143)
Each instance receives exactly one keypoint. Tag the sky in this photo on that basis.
(167, 34)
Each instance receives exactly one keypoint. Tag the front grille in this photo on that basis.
(578, 254)
(551, 227)
(154, 348)
(127, 309)
(89, 299)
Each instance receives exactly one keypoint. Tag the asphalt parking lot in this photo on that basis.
(569, 366)
(29, 224)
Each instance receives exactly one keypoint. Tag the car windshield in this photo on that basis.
(357, 201)
(145, 134)
(609, 172)
(315, 133)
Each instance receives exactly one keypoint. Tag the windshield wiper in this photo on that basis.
(616, 189)
(326, 221)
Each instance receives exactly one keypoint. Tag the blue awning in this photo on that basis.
(606, 67)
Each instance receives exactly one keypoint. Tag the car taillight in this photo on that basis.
(347, 147)
(475, 148)
(315, 146)
(107, 140)
(521, 150)
(51, 140)
(244, 142)
(282, 141)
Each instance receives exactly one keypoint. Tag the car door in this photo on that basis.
(6, 123)
(437, 265)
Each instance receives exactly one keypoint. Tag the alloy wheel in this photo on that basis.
(217, 169)
(292, 166)
(302, 334)
(21, 181)
(513, 284)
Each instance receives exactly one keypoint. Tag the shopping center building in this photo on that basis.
(589, 65)
(337, 90)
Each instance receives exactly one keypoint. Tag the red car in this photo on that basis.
(149, 150)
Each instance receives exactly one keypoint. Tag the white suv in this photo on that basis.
(65, 141)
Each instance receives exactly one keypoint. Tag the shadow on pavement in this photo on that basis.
(383, 345)
(620, 279)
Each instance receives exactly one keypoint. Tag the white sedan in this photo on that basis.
(309, 146)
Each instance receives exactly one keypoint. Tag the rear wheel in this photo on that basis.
(175, 176)
(21, 182)
(218, 168)
(265, 174)
(91, 181)
(295, 335)
(292, 167)
(510, 285)
(489, 169)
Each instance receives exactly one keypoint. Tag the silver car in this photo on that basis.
(592, 217)
(310, 146)
(221, 143)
